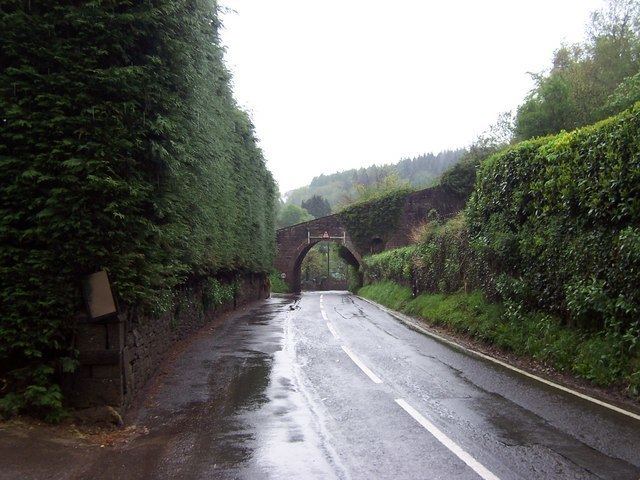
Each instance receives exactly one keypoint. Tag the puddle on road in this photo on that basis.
(288, 438)
(256, 420)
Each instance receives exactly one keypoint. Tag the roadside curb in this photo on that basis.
(415, 325)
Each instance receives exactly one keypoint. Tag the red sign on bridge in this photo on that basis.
(326, 236)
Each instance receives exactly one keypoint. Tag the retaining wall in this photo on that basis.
(119, 356)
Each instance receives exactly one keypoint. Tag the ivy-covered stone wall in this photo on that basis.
(121, 148)
(118, 358)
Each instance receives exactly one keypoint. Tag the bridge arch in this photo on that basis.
(301, 252)
(294, 242)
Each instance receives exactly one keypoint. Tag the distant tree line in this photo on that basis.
(341, 188)
(290, 214)
(317, 206)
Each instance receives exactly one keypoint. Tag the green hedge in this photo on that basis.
(559, 220)
(394, 264)
(121, 148)
(442, 260)
(278, 285)
(445, 261)
(551, 229)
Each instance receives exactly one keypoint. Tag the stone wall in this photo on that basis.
(419, 207)
(118, 357)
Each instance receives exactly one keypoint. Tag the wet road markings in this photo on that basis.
(447, 442)
(332, 330)
(326, 319)
(411, 323)
(374, 378)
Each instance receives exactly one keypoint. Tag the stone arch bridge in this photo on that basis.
(294, 242)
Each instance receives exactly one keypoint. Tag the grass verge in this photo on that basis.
(278, 285)
(592, 356)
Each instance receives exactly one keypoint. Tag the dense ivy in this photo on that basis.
(121, 148)
(375, 218)
(441, 261)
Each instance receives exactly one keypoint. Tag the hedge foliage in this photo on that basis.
(441, 261)
(278, 285)
(121, 148)
(394, 264)
(559, 218)
(445, 261)
(553, 226)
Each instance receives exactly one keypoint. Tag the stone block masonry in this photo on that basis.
(119, 356)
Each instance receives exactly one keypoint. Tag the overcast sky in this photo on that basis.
(337, 84)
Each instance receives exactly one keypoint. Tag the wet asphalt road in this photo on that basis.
(300, 387)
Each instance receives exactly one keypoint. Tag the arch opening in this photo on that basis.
(324, 265)
(376, 246)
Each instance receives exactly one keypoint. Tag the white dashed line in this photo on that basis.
(411, 323)
(374, 378)
(447, 442)
(324, 315)
(332, 330)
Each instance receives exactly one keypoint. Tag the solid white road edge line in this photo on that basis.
(447, 442)
(408, 321)
(332, 330)
(374, 378)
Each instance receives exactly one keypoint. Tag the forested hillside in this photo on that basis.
(340, 188)
(122, 149)
(587, 81)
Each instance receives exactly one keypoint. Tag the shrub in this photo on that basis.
(217, 293)
(390, 265)
(560, 216)
(278, 285)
